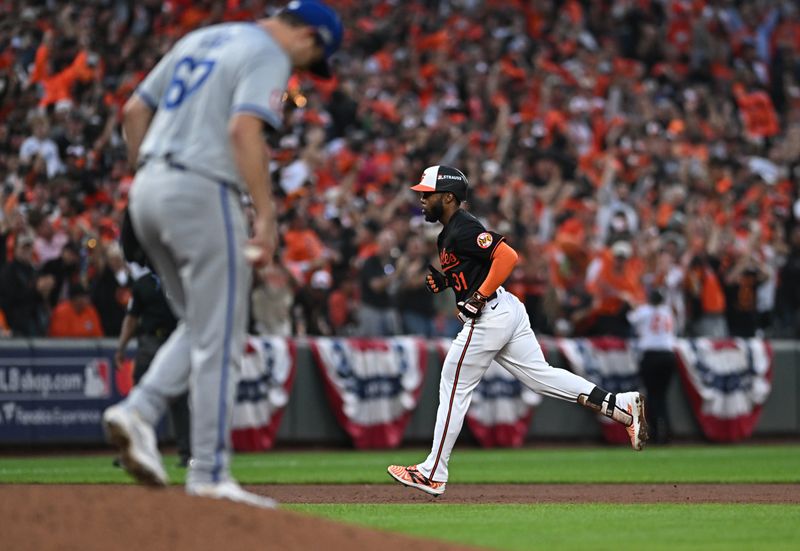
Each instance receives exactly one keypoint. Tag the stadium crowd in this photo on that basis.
(620, 145)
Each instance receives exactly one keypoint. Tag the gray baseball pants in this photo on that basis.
(193, 230)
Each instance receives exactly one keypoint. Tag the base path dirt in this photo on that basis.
(89, 518)
(129, 518)
(537, 493)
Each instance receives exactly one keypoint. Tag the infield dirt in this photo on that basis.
(537, 493)
(97, 517)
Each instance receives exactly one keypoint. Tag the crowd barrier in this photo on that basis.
(372, 393)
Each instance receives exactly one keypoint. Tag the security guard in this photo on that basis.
(151, 320)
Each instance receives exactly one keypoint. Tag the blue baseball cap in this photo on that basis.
(326, 23)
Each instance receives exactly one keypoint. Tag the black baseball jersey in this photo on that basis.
(149, 304)
(465, 253)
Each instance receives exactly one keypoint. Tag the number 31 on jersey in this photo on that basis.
(459, 282)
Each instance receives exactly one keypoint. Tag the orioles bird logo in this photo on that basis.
(484, 240)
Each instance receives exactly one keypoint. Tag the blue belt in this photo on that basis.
(176, 165)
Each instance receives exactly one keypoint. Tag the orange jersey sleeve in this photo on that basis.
(503, 261)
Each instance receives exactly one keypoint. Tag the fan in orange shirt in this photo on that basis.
(75, 317)
(58, 87)
(705, 300)
(758, 113)
(304, 251)
(616, 288)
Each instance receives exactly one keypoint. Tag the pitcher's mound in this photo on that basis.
(133, 518)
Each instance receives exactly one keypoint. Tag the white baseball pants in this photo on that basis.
(502, 333)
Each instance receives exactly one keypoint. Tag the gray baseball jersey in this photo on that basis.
(209, 75)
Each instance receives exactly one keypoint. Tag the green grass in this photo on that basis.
(517, 526)
(586, 526)
(711, 464)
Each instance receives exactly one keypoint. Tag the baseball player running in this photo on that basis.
(195, 128)
(475, 262)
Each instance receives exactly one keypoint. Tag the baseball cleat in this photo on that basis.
(411, 477)
(230, 490)
(633, 404)
(136, 442)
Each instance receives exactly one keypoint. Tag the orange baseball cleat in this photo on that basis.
(411, 477)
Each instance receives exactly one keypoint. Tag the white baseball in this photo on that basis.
(252, 252)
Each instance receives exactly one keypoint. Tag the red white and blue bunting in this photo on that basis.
(372, 384)
(268, 370)
(609, 363)
(727, 382)
(501, 409)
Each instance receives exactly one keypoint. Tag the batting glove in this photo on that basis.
(436, 281)
(473, 306)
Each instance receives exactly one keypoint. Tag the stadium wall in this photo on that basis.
(309, 419)
(52, 392)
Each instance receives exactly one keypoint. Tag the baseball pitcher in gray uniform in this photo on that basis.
(194, 128)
